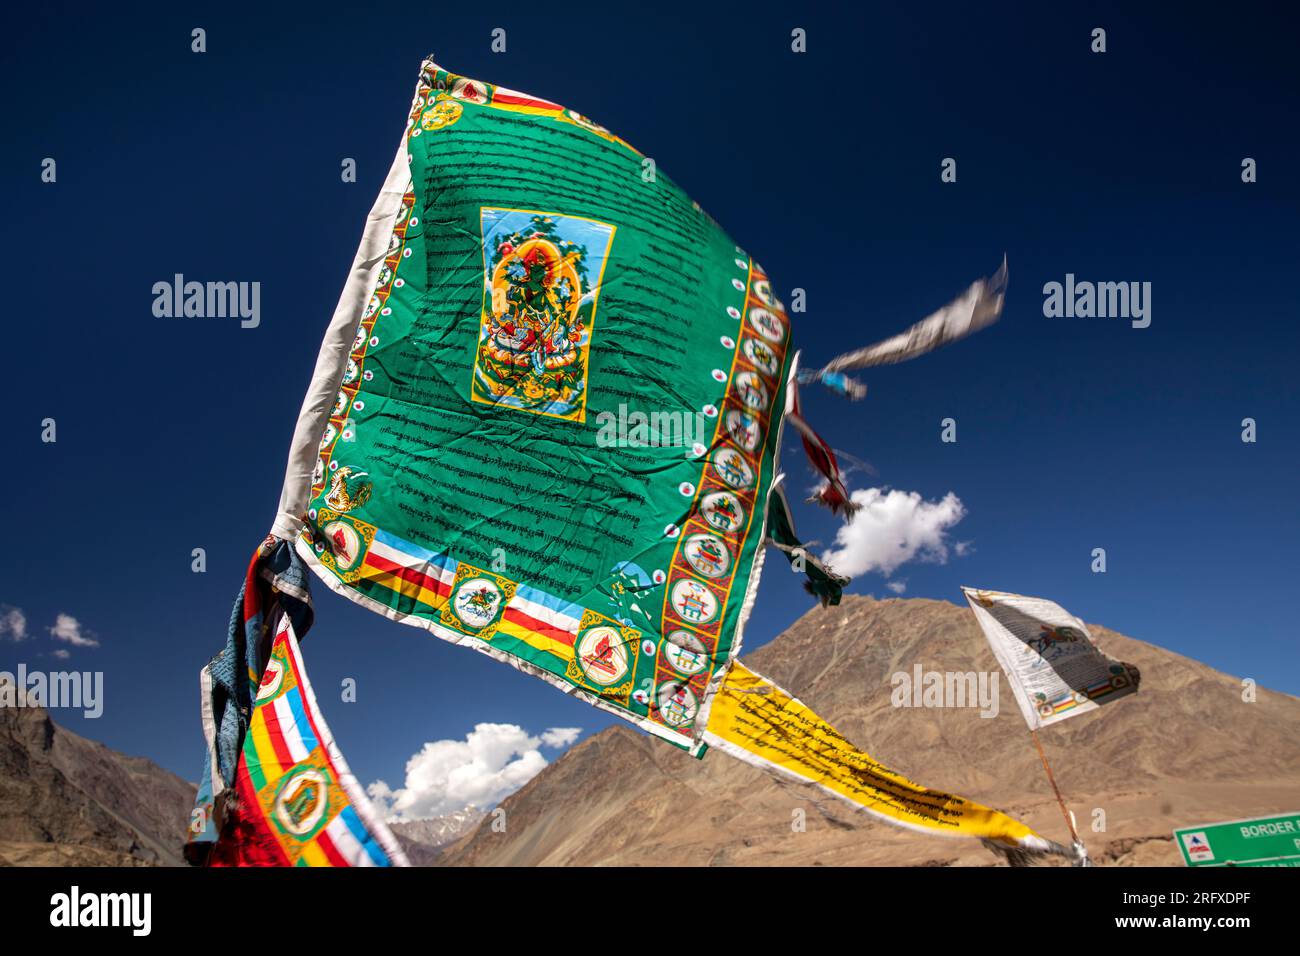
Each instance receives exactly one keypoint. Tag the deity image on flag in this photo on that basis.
(542, 281)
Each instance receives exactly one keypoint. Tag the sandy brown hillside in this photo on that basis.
(1185, 750)
(68, 801)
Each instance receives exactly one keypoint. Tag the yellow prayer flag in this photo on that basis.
(755, 720)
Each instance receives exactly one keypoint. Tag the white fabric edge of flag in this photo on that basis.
(332, 360)
(208, 718)
(985, 620)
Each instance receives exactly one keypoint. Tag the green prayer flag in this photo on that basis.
(819, 580)
(545, 416)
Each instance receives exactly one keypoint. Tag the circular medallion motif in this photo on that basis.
(694, 602)
(686, 653)
(767, 325)
(476, 602)
(272, 678)
(722, 510)
(602, 655)
(345, 543)
(301, 801)
(743, 429)
(752, 390)
(760, 356)
(677, 705)
(708, 555)
(444, 112)
(471, 91)
(732, 468)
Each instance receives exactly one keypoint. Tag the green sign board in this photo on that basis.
(1263, 841)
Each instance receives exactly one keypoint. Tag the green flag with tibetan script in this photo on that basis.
(544, 420)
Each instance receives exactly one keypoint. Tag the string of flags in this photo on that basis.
(519, 284)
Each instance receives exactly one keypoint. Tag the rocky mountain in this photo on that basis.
(1187, 749)
(423, 840)
(68, 801)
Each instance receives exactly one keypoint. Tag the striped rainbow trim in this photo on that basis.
(405, 570)
(296, 790)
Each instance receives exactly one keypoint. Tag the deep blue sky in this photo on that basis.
(1073, 433)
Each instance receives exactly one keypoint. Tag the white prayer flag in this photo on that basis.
(1053, 667)
(979, 306)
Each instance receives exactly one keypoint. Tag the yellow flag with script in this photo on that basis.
(755, 720)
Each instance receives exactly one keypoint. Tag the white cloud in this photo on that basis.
(893, 527)
(62, 655)
(898, 587)
(561, 737)
(13, 622)
(491, 763)
(68, 629)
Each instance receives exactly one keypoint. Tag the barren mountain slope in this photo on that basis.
(1184, 750)
(66, 801)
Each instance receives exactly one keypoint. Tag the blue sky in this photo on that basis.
(1073, 434)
